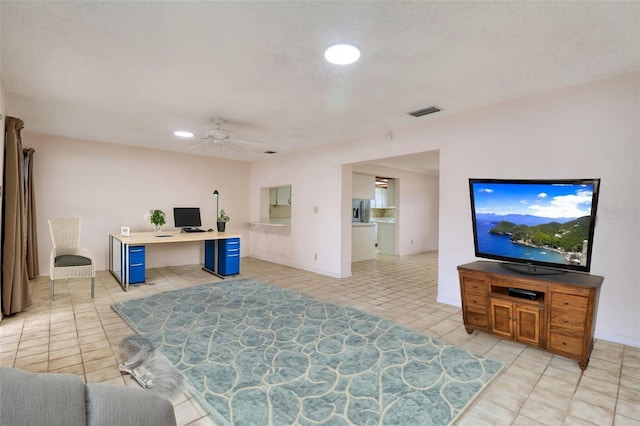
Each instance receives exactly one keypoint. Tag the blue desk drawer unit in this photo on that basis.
(210, 255)
(229, 256)
(136, 264)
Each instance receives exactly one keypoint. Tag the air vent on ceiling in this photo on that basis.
(425, 111)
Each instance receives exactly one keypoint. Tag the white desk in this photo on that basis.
(120, 255)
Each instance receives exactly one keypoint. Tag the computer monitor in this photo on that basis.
(187, 217)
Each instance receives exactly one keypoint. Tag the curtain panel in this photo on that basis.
(33, 269)
(16, 295)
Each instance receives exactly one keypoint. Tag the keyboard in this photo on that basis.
(194, 230)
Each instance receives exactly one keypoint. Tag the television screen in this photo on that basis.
(186, 217)
(547, 223)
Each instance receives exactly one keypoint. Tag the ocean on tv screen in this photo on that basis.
(502, 245)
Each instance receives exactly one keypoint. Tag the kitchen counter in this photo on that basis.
(363, 241)
(385, 220)
(387, 237)
(285, 221)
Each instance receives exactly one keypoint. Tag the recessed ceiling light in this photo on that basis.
(183, 134)
(342, 54)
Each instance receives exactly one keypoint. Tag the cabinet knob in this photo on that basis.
(565, 321)
(565, 303)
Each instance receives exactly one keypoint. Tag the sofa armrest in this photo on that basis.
(116, 405)
(35, 399)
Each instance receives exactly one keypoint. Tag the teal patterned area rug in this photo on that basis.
(256, 354)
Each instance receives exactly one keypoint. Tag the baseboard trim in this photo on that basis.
(617, 338)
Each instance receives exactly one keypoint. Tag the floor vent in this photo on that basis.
(425, 111)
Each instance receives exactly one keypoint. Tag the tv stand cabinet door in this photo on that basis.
(515, 321)
(502, 318)
(527, 327)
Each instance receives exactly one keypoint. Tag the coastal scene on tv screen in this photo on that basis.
(531, 221)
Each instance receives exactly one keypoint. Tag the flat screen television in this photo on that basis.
(535, 226)
(186, 217)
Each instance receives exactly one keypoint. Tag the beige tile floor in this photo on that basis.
(80, 336)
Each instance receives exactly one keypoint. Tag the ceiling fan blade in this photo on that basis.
(231, 144)
(198, 145)
(236, 140)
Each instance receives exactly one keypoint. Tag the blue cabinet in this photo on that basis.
(136, 264)
(210, 255)
(222, 257)
(229, 256)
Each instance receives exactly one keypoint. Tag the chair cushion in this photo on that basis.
(71, 260)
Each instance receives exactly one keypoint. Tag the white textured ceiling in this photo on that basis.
(133, 72)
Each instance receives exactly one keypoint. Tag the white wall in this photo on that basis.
(2, 124)
(585, 131)
(109, 186)
(315, 182)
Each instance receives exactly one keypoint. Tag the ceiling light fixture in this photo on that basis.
(183, 134)
(342, 54)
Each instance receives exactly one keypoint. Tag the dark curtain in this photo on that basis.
(33, 269)
(16, 296)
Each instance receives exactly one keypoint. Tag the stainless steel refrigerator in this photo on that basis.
(361, 210)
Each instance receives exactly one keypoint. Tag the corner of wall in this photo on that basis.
(3, 117)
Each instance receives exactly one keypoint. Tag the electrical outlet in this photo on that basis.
(315, 209)
(315, 256)
(411, 242)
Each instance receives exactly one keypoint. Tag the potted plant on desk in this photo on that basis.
(222, 221)
(157, 218)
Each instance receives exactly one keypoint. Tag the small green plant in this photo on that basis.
(157, 217)
(222, 217)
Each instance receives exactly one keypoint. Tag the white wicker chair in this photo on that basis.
(68, 260)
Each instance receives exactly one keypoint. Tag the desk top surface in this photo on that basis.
(171, 237)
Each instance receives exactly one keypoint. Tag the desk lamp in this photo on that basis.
(217, 195)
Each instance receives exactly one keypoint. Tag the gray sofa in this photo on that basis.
(43, 399)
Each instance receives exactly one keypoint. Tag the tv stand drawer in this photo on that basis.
(568, 302)
(476, 302)
(476, 318)
(565, 342)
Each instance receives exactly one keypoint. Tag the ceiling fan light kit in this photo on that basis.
(217, 134)
(220, 137)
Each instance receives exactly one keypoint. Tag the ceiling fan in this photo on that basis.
(221, 137)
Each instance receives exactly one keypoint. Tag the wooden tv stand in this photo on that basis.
(561, 319)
